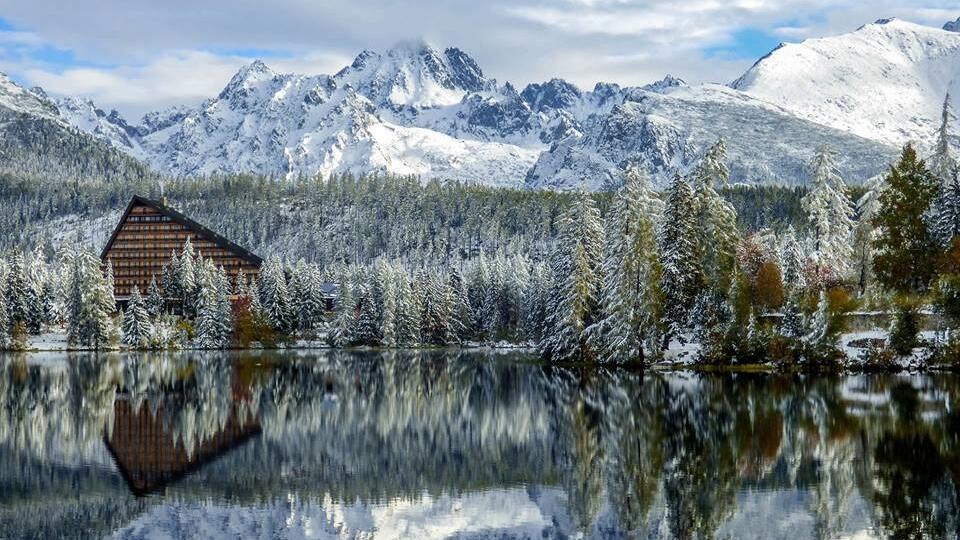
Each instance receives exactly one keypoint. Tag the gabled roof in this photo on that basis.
(186, 222)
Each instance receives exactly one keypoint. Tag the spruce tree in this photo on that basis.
(681, 274)
(274, 297)
(716, 218)
(18, 298)
(170, 283)
(136, 321)
(630, 299)
(154, 303)
(830, 214)
(906, 252)
(408, 310)
(942, 163)
(864, 234)
(576, 266)
(4, 321)
(344, 321)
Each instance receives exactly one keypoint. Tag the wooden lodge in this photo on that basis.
(149, 231)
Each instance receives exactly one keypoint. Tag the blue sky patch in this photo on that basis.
(748, 43)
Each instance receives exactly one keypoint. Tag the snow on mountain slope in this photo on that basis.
(416, 109)
(84, 115)
(886, 81)
(666, 131)
(18, 99)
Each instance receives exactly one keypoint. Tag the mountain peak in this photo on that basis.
(246, 77)
(952, 26)
(667, 82)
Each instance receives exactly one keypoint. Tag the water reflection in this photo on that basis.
(404, 445)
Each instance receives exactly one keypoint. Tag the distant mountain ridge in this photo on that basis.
(415, 109)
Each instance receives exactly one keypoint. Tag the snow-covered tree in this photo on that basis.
(344, 321)
(682, 278)
(170, 282)
(716, 218)
(18, 291)
(274, 298)
(820, 336)
(791, 260)
(630, 298)
(408, 311)
(830, 214)
(154, 302)
(942, 163)
(90, 304)
(864, 233)
(576, 266)
(460, 314)
(136, 321)
(213, 321)
(4, 321)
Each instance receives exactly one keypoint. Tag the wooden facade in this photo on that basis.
(147, 234)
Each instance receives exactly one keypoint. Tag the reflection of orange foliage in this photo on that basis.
(246, 372)
(841, 428)
(769, 430)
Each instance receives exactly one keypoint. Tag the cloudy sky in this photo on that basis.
(136, 55)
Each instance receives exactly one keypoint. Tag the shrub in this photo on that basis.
(905, 327)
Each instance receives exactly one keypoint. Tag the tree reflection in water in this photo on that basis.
(511, 448)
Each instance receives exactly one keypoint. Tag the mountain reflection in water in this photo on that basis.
(452, 444)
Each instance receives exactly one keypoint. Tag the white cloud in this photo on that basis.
(179, 77)
(136, 55)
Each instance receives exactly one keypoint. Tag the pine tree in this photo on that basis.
(864, 233)
(18, 299)
(408, 311)
(344, 321)
(4, 321)
(906, 252)
(208, 334)
(821, 339)
(90, 304)
(388, 319)
(830, 214)
(155, 303)
(576, 267)
(537, 302)
(274, 297)
(942, 163)
(187, 281)
(630, 299)
(460, 315)
(681, 275)
(716, 218)
(312, 306)
(792, 324)
(170, 283)
(945, 214)
(136, 321)
(367, 329)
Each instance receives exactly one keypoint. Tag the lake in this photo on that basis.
(331, 444)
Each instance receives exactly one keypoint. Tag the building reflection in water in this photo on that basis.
(358, 440)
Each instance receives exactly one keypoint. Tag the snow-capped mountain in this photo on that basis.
(666, 131)
(886, 81)
(415, 109)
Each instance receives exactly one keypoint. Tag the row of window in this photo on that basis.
(148, 219)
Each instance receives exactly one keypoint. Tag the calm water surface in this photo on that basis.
(466, 445)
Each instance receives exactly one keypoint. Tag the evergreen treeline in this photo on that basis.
(628, 276)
